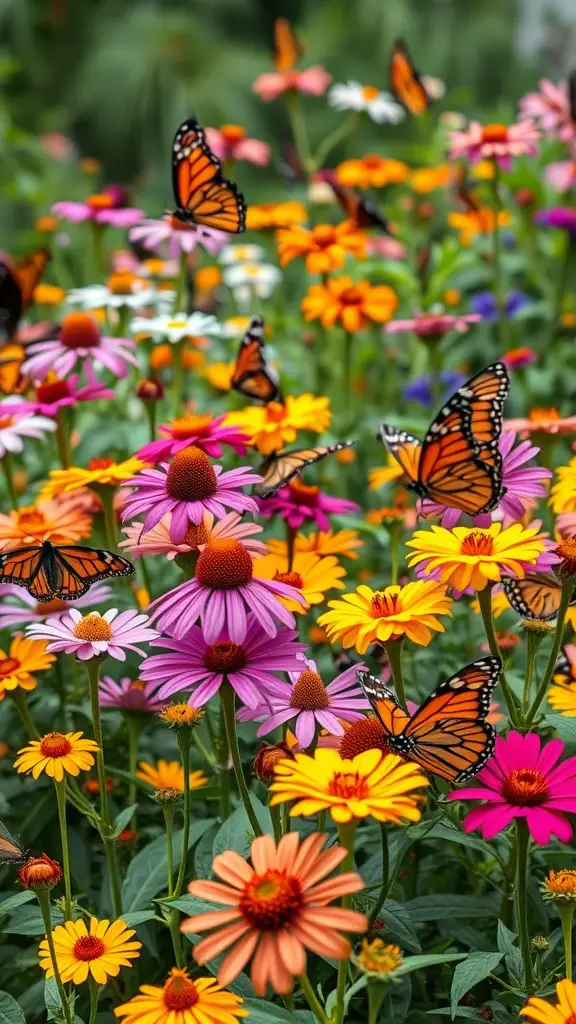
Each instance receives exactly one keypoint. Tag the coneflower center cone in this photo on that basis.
(309, 693)
(88, 947)
(55, 744)
(190, 476)
(367, 734)
(93, 627)
(79, 330)
(525, 787)
(225, 657)
(180, 992)
(271, 901)
(224, 564)
(293, 579)
(52, 391)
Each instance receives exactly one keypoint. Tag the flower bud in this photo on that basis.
(150, 390)
(539, 944)
(560, 886)
(378, 957)
(178, 715)
(267, 757)
(538, 627)
(168, 796)
(40, 873)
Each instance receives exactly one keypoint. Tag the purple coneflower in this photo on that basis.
(79, 341)
(105, 207)
(128, 695)
(298, 502)
(178, 236)
(203, 431)
(18, 607)
(92, 635)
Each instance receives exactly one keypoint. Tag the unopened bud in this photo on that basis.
(150, 390)
(40, 873)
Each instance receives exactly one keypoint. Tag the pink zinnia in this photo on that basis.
(230, 142)
(314, 81)
(203, 431)
(520, 781)
(103, 208)
(551, 107)
(250, 667)
(496, 142)
(128, 695)
(29, 610)
(157, 541)
(436, 325)
(79, 341)
(177, 236)
(187, 488)
(94, 635)
(519, 358)
(562, 174)
(222, 593)
(311, 703)
(298, 503)
(57, 394)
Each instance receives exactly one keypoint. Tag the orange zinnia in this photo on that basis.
(372, 171)
(354, 305)
(477, 222)
(276, 910)
(275, 215)
(324, 246)
(60, 521)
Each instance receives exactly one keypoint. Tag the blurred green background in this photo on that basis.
(116, 78)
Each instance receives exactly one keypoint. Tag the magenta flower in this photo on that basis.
(298, 502)
(230, 142)
(187, 488)
(436, 325)
(314, 81)
(104, 208)
(519, 358)
(496, 142)
(79, 341)
(57, 394)
(18, 607)
(520, 781)
(251, 667)
(222, 593)
(311, 703)
(202, 431)
(128, 695)
(551, 108)
(94, 635)
(177, 236)
(561, 217)
(157, 541)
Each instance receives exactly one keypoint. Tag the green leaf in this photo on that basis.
(400, 924)
(470, 972)
(28, 921)
(236, 833)
(448, 832)
(10, 1011)
(10, 904)
(262, 1012)
(511, 952)
(122, 820)
(461, 1011)
(414, 963)
(445, 906)
(146, 874)
(52, 1000)
(138, 917)
(562, 724)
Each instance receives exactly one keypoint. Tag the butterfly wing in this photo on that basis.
(28, 273)
(404, 447)
(252, 376)
(287, 49)
(280, 467)
(79, 567)
(392, 717)
(448, 734)
(11, 304)
(537, 596)
(10, 850)
(26, 567)
(11, 380)
(405, 82)
(357, 206)
(203, 196)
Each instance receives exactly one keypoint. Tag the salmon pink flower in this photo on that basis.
(94, 635)
(230, 142)
(313, 80)
(203, 431)
(79, 341)
(157, 541)
(551, 108)
(103, 208)
(496, 142)
(433, 325)
(298, 503)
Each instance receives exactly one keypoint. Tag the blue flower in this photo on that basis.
(420, 390)
(484, 303)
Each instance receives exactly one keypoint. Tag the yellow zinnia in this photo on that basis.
(310, 573)
(563, 493)
(102, 472)
(169, 775)
(370, 616)
(182, 1000)
(219, 375)
(562, 1012)
(472, 557)
(98, 953)
(339, 542)
(372, 784)
(270, 427)
(24, 658)
(58, 754)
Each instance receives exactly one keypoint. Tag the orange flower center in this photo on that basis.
(543, 416)
(233, 133)
(52, 391)
(351, 297)
(370, 92)
(121, 282)
(224, 564)
(191, 477)
(495, 133)
(302, 494)
(372, 162)
(6, 421)
(226, 657)
(562, 882)
(566, 550)
(309, 693)
(180, 992)
(55, 744)
(324, 235)
(382, 605)
(195, 535)
(79, 330)
(100, 201)
(92, 627)
(190, 426)
(348, 786)
(271, 901)
(51, 606)
(88, 947)
(367, 734)
(8, 666)
(478, 544)
(293, 579)
(275, 412)
(30, 519)
(96, 464)
(525, 787)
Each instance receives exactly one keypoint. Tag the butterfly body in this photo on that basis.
(252, 376)
(203, 195)
(405, 81)
(65, 571)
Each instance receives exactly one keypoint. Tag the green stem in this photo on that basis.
(562, 277)
(499, 292)
(435, 369)
(93, 667)
(8, 468)
(19, 698)
(394, 652)
(566, 911)
(299, 133)
(178, 375)
(106, 495)
(150, 409)
(485, 602)
(311, 998)
(344, 129)
(97, 250)
(172, 915)
(61, 802)
(133, 725)
(63, 439)
(566, 594)
(321, 826)
(376, 994)
(394, 533)
(385, 874)
(533, 643)
(228, 698)
(43, 897)
(346, 835)
(347, 369)
(521, 901)
(224, 774)
(184, 737)
(277, 823)
(94, 992)
(181, 283)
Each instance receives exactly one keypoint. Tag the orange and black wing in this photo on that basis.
(405, 448)
(12, 382)
(448, 735)
(392, 717)
(79, 567)
(537, 596)
(252, 376)
(280, 467)
(10, 850)
(203, 196)
(28, 567)
(28, 272)
(287, 49)
(405, 82)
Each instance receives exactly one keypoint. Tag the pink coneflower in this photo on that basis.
(521, 484)
(565, 524)
(434, 325)
(562, 174)
(18, 607)
(299, 502)
(230, 142)
(128, 695)
(56, 394)
(312, 703)
(93, 635)
(551, 108)
(251, 667)
(177, 236)
(102, 208)
(314, 81)
(14, 427)
(223, 592)
(520, 781)
(498, 142)
(186, 488)
(157, 541)
(203, 431)
(519, 358)
(79, 341)
(387, 248)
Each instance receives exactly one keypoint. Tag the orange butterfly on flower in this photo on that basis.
(65, 571)
(287, 48)
(536, 596)
(203, 195)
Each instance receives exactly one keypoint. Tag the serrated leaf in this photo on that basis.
(10, 904)
(414, 963)
(10, 1010)
(123, 820)
(470, 972)
(137, 917)
(147, 873)
(401, 925)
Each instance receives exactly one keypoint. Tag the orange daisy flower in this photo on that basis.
(477, 222)
(275, 215)
(59, 521)
(324, 246)
(355, 306)
(372, 171)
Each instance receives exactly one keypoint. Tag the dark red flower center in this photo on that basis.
(293, 579)
(525, 787)
(224, 564)
(8, 666)
(180, 993)
(495, 133)
(52, 391)
(88, 947)
(348, 786)
(227, 657)
(367, 734)
(55, 744)
(271, 901)
(302, 494)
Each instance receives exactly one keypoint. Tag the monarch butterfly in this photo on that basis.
(287, 48)
(252, 377)
(565, 667)
(537, 596)
(405, 81)
(459, 463)
(203, 196)
(10, 850)
(66, 571)
(17, 284)
(448, 735)
(11, 380)
(280, 467)
(356, 206)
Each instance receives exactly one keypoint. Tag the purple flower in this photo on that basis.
(187, 488)
(57, 394)
(297, 502)
(251, 667)
(563, 217)
(485, 304)
(128, 695)
(420, 389)
(94, 635)
(30, 610)
(180, 236)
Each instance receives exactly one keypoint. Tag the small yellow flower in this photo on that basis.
(182, 1000)
(481, 221)
(429, 179)
(339, 542)
(563, 493)
(378, 957)
(96, 954)
(472, 557)
(219, 375)
(169, 775)
(367, 616)
(272, 426)
(58, 754)
(311, 574)
(387, 474)
(24, 658)
(560, 886)
(177, 715)
(102, 472)
(275, 215)
(561, 696)
(372, 784)
(562, 1012)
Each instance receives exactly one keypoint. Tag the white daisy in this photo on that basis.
(251, 280)
(97, 296)
(177, 327)
(380, 106)
(241, 254)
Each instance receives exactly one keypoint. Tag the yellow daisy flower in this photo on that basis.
(169, 775)
(472, 557)
(270, 427)
(370, 616)
(58, 754)
(563, 493)
(562, 1012)
(100, 472)
(334, 542)
(310, 573)
(387, 474)
(219, 375)
(98, 953)
(24, 658)
(562, 696)
(182, 1001)
(370, 785)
